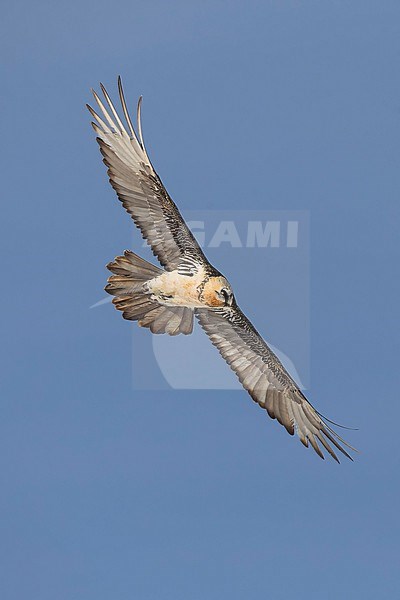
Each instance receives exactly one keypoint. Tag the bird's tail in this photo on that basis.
(127, 284)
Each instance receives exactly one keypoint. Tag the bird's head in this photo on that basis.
(217, 292)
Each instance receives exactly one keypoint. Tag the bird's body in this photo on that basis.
(199, 291)
(166, 299)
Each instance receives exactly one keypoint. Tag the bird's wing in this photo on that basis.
(138, 186)
(264, 377)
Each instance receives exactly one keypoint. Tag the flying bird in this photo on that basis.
(166, 299)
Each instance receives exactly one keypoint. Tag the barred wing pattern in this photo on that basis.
(138, 186)
(264, 377)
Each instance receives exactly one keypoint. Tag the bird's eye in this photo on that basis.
(227, 296)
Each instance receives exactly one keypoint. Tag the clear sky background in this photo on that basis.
(111, 493)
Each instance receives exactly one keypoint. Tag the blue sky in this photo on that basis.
(108, 491)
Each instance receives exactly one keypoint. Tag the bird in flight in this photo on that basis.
(166, 299)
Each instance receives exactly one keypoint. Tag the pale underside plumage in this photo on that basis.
(144, 197)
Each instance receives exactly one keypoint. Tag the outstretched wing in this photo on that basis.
(262, 374)
(138, 186)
